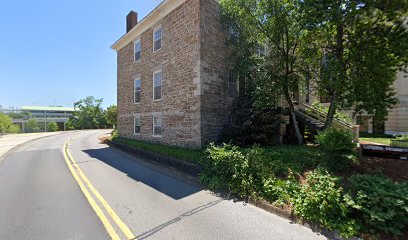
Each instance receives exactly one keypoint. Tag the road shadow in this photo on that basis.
(166, 184)
(178, 218)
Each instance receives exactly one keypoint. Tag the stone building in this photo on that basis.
(173, 83)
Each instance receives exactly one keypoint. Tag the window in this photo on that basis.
(157, 85)
(157, 39)
(138, 90)
(232, 86)
(137, 124)
(263, 50)
(157, 126)
(138, 50)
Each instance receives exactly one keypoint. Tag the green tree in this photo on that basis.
(6, 124)
(354, 50)
(89, 113)
(111, 115)
(70, 124)
(52, 127)
(32, 125)
(277, 71)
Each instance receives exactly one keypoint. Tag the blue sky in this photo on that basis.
(60, 50)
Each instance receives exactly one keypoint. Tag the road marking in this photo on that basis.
(90, 199)
(126, 231)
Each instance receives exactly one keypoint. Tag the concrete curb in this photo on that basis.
(192, 170)
(180, 165)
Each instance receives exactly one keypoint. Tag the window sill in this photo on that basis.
(157, 50)
(156, 136)
(157, 100)
(138, 61)
(136, 134)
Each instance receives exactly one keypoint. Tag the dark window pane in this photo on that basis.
(157, 130)
(157, 44)
(137, 56)
(157, 92)
(137, 97)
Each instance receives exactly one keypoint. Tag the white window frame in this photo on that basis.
(265, 46)
(161, 38)
(135, 90)
(134, 125)
(233, 86)
(134, 50)
(161, 126)
(161, 84)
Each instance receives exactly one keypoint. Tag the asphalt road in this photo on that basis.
(40, 199)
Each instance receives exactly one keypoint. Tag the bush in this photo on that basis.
(338, 146)
(6, 124)
(115, 134)
(382, 203)
(321, 200)
(191, 155)
(225, 167)
(52, 127)
(32, 125)
(280, 191)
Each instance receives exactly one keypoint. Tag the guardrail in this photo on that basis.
(337, 123)
(321, 116)
(399, 143)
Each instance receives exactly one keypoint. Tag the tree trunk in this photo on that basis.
(341, 75)
(294, 119)
(331, 112)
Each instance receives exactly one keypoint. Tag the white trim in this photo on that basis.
(148, 22)
(161, 84)
(161, 37)
(134, 90)
(134, 50)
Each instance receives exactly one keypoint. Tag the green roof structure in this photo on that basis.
(49, 109)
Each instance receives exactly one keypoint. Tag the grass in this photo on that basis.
(385, 141)
(278, 159)
(191, 155)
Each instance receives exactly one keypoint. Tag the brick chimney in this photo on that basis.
(131, 21)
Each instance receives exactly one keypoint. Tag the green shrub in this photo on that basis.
(339, 148)
(32, 125)
(280, 191)
(115, 134)
(187, 154)
(321, 200)
(225, 167)
(52, 127)
(382, 203)
(7, 126)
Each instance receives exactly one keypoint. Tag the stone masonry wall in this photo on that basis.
(178, 58)
(214, 67)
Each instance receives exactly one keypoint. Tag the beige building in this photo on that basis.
(397, 120)
(173, 84)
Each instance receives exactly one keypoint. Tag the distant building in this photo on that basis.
(44, 115)
(397, 120)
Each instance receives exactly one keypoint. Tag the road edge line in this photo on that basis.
(109, 228)
(119, 222)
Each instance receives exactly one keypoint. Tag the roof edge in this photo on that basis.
(162, 10)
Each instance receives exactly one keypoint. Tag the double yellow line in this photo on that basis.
(85, 184)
